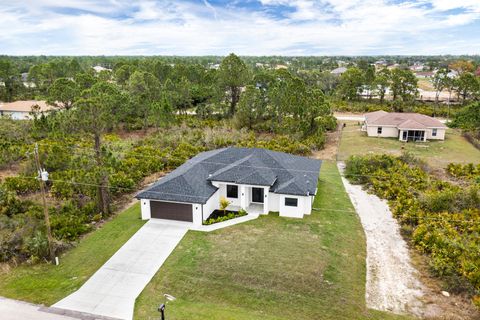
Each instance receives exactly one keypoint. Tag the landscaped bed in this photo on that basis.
(220, 215)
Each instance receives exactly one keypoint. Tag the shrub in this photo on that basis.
(443, 219)
(22, 184)
(224, 203)
(68, 222)
(37, 245)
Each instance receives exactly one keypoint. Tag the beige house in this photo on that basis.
(22, 110)
(404, 126)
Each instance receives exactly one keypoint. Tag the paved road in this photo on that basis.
(112, 290)
(19, 310)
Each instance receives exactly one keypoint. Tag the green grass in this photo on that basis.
(270, 268)
(437, 154)
(47, 284)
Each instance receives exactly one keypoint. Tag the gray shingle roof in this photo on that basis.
(191, 182)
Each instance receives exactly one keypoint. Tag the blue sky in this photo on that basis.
(252, 27)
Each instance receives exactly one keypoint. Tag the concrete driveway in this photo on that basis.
(112, 290)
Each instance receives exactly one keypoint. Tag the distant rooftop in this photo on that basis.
(402, 120)
(24, 106)
(338, 70)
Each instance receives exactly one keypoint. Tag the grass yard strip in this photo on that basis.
(270, 268)
(438, 154)
(47, 284)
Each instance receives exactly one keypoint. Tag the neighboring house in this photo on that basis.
(339, 71)
(417, 66)
(26, 83)
(393, 66)
(424, 74)
(404, 126)
(255, 180)
(100, 69)
(22, 110)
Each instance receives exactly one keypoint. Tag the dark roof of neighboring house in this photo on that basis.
(402, 120)
(191, 182)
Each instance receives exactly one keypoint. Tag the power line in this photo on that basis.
(189, 161)
(314, 209)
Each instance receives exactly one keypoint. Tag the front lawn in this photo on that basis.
(438, 154)
(271, 267)
(47, 284)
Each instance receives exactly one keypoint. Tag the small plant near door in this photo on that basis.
(224, 203)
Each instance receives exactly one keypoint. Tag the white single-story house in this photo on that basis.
(255, 180)
(22, 110)
(339, 71)
(404, 126)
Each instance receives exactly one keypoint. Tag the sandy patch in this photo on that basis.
(329, 152)
(392, 282)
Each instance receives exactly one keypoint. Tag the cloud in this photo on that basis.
(265, 27)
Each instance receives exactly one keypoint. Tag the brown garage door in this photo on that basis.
(171, 211)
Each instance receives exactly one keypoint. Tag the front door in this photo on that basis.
(257, 195)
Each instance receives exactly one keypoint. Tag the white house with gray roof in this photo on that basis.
(255, 180)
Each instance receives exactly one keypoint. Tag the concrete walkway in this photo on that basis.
(112, 290)
(208, 228)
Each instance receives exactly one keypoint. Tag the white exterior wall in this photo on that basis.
(274, 201)
(304, 206)
(392, 132)
(145, 207)
(440, 134)
(387, 132)
(16, 115)
(309, 204)
(197, 214)
(222, 192)
(211, 205)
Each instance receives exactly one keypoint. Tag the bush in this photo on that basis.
(443, 219)
(22, 184)
(69, 222)
(36, 245)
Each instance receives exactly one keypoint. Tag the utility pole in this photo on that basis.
(42, 177)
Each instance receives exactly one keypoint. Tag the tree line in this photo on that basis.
(138, 94)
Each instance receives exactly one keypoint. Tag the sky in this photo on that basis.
(251, 27)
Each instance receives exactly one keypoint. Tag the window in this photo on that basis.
(232, 191)
(291, 202)
(379, 130)
(434, 132)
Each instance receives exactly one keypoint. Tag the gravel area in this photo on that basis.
(392, 282)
